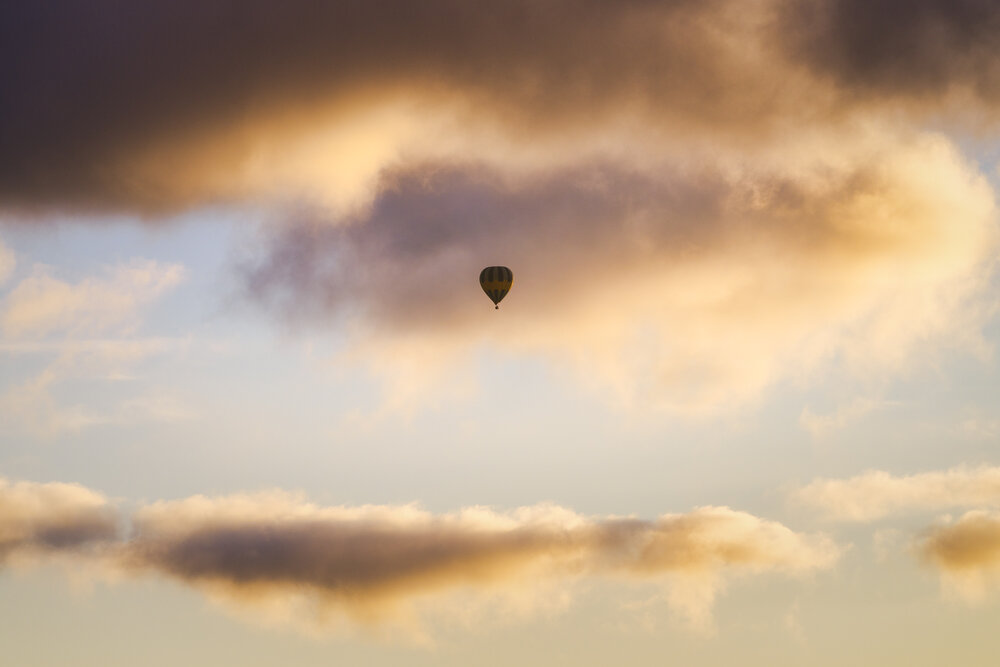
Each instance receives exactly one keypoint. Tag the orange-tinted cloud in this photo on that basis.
(688, 286)
(373, 563)
(698, 196)
(368, 561)
(966, 552)
(877, 494)
(110, 105)
(38, 519)
(99, 92)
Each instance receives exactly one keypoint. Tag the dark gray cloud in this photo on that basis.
(918, 49)
(399, 262)
(154, 106)
(92, 90)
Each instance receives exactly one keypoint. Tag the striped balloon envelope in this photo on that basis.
(496, 282)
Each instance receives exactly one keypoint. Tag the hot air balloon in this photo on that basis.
(496, 282)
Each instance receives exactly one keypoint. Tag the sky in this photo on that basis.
(739, 406)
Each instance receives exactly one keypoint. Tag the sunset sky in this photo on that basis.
(740, 406)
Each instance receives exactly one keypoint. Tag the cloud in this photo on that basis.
(877, 494)
(715, 162)
(821, 425)
(41, 305)
(966, 552)
(174, 102)
(980, 428)
(31, 408)
(7, 262)
(369, 561)
(690, 286)
(915, 51)
(377, 564)
(168, 105)
(86, 328)
(38, 519)
(710, 161)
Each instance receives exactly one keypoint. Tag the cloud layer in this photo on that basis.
(695, 197)
(171, 104)
(897, 49)
(368, 562)
(101, 89)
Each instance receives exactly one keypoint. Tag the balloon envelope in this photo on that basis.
(496, 282)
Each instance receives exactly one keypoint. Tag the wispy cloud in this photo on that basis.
(876, 494)
(42, 305)
(30, 407)
(821, 425)
(85, 327)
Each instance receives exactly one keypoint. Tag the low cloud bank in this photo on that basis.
(370, 564)
(371, 559)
